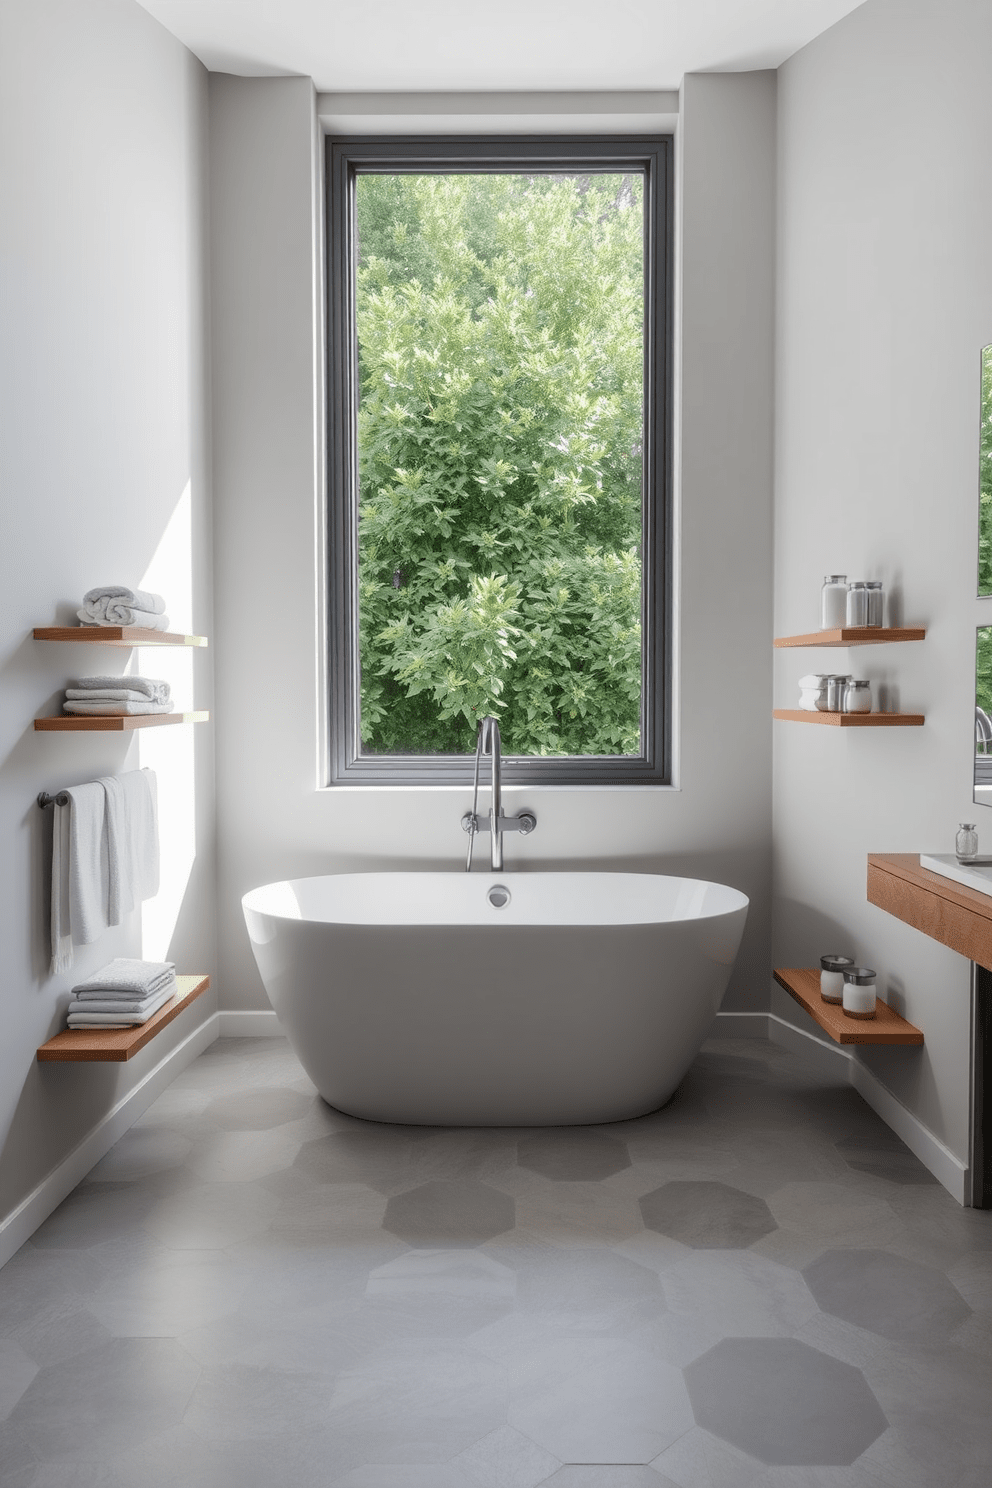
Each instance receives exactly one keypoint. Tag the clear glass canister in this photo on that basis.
(832, 969)
(857, 697)
(859, 992)
(966, 843)
(836, 687)
(857, 604)
(876, 602)
(833, 602)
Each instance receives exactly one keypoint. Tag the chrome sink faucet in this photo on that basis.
(488, 742)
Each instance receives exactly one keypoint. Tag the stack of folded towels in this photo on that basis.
(123, 994)
(113, 696)
(115, 604)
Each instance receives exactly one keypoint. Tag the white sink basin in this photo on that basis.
(974, 875)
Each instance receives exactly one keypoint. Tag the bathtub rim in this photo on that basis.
(728, 900)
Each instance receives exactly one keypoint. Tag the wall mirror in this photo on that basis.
(985, 478)
(983, 716)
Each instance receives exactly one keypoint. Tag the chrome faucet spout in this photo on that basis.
(496, 796)
(488, 742)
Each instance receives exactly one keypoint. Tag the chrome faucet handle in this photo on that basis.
(524, 822)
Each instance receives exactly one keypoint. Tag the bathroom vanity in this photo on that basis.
(960, 917)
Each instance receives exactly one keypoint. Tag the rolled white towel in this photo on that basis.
(120, 596)
(143, 619)
(114, 708)
(117, 686)
(128, 975)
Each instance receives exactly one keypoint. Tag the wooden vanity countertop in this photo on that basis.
(959, 917)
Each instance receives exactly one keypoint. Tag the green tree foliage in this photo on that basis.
(500, 328)
(985, 479)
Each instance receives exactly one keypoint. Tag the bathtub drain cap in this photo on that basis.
(499, 896)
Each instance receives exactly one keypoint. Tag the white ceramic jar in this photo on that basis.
(832, 969)
(859, 992)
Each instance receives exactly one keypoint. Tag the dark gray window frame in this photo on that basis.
(344, 159)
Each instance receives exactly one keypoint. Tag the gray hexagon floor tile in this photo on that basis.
(211, 1216)
(440, 1215)
(572, 1153)
(900, 1299)
(504, 1459)
(707, 1216)
(257, 1110)
(107, 1399)
(94, 1212)
(884, 1155)
(140, 1152)
(379, 1157)
(17, 1370)
(584, 1280)
(185, 1290)
(784, 1403)
(596, 1476)
(626, 1408)
(442, 1397)
(242, 1402)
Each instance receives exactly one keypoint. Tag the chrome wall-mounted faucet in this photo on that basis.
(488, 742)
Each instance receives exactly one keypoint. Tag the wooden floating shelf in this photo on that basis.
(113, 723)
(862, 635)
(93, 1045)
(803, 984)
(117, 635)
(852, 720)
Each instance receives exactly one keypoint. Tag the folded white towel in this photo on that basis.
(124, 1000)
(120, 595)
(117, 686)
(112, 1020)
(77, 1022)
(127, 974)
(120, 1008)
(114, 707)
(110, 695)
(80, 873)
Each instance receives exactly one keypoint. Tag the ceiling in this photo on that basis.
(463, 45)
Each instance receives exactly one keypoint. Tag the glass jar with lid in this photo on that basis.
(966, 843)
(857, 604)
(857, 696)
(836, 687)
(832, 969)
(833, 602)
(876, 602)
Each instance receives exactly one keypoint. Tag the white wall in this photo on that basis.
(885, 297)
(273, 821)
(105, 478)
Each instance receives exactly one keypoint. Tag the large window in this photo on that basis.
(499, 470)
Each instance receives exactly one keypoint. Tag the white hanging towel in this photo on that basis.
(132, 841)
(105, 858)
(80, 872)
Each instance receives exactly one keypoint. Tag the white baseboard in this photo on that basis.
(20, 1224)
(740, 1025)
(262, 1024)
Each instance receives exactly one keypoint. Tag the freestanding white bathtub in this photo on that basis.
(411, 997)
